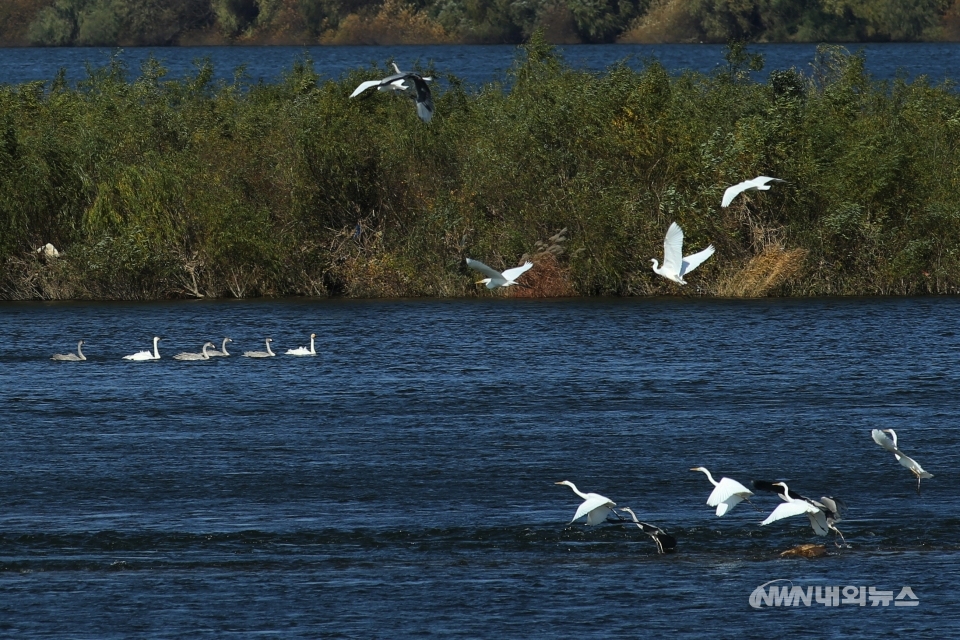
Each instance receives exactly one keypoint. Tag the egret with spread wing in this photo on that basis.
(404, 81)
(902, 458)
(675, 266)
(595, 506)
(496, 279)
(822, 513)
(760, 183)
(726, 494)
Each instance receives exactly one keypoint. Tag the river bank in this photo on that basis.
(157, 188)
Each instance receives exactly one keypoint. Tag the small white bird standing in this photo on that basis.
(675, 266)
(666, 543)
(759, 183)
(70, 357)
(404, 81)
(303, 351)
(595, 506)
(146, 355)
(726, 494)
(902, 458)
(496, 279)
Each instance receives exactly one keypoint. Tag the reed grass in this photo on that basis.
(160, 188)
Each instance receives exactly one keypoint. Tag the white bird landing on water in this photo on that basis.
(146, 355)
(303, 351)
(196, 356)
(675, 266)
(902, 458)
(726, 494)
(70, 357)
(759, 183)
(822, 513)
(595, 506)
(496, 279)
(261, 354)
(404, 81)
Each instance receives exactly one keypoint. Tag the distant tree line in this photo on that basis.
(169, 22)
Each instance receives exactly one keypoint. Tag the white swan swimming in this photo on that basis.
(223, 350)
(146, 355)
(70, 357)
(496, 279)
(675, 266)
(303, 351)
(260, 354)
(196, 356)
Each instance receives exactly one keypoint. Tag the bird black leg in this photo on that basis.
(755, 507)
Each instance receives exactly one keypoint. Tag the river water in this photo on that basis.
(401, 483)
(475, 64)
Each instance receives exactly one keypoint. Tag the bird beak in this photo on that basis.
(694, 468)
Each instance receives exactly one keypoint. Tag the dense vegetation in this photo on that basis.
(160, 22)
(159, 188)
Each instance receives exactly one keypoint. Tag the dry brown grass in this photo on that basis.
(548, 278)
(666, 21)
(395, 23)
(766, 271)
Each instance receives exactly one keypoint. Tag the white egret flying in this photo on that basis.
(196, 356)
(404, 81)
(726, 494)
(759, 183)
(70, 357)
(260, 354)
(496, 279)
(223, 350)
(675, 266)
(902, 458)
(303, 351)
(595, 506)
(822, 513)
(666, 543)
(146, 355)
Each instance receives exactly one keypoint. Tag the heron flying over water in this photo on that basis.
(902, 458)
(726, 494)
(666, 543)
(822, 513)
(595, 506)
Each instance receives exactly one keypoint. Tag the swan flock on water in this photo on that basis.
(207, 351)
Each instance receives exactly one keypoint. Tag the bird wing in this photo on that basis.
(788, 509)
(482, 268)
(819, 522)
(734, 191)
(593, 501)
(766, 485)
(763, 180)
(725, 489)
(673, 249)
(884, 441)
(835, 505)
(363, 87)
(516, 272)
(424, 98)
(691, 262)
(914, 466)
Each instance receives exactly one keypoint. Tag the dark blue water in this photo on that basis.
(402, 482)
(475, 64)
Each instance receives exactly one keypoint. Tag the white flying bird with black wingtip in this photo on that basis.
(404, 81)
(760, 183)
(675, 265)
